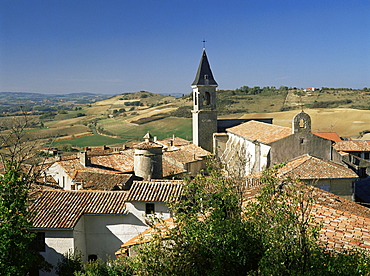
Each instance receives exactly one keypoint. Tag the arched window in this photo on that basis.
(207, 98)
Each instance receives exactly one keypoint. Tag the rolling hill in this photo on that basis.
(127, 117)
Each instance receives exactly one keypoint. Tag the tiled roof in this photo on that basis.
(262, 132)
(356, 145)
(342, 229)
(147, 235)
(147, 145)
(111, 163)
(333, 136)
(62, 209)
(101, 181)
(310, 167)
(122, 162)
(155, 191)
(344, 223)
(169, 169)
(186, 154)
(175, 141)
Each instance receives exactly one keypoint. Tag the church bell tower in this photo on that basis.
(204, 105)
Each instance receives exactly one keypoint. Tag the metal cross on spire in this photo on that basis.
(204, 43)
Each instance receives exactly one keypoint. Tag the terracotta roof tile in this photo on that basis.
(169, 169)
(354, 145)
(333, 136)
(262, 132)
(147, 145)
(111, 163)
(175, 141)
(155, 191)
(344, 222)
(310, 167)
(187, 153)
(147, 235)
(62, 209)
(101, 181)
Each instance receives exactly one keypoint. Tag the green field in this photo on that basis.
(164, 128)
(91, 141)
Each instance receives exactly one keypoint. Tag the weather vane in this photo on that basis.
(204, 43)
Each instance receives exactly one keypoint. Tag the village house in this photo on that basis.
(148, 160)
(95, 222)
(324, 174)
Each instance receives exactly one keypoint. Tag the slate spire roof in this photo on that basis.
(204, 75)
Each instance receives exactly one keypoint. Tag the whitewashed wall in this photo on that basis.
(57, 243)
(243, 157)
(58, 173)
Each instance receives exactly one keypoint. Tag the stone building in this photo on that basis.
(204, 105)
(254, 146)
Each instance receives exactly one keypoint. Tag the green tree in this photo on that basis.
(273, 234)
(281, 214)
(17, 255)
(211, 238)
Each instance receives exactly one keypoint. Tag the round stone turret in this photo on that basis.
(148, 159)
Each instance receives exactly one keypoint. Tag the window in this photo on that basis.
(149, 208)
(92, 258)
(40, 241)
(367, 155)
(206, 80)
(207, 98)
(302, 123)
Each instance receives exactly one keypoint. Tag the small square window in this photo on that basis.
(149, 208)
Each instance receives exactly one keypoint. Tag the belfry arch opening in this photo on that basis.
(207, 98)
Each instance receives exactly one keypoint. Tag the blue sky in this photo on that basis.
(116, 46)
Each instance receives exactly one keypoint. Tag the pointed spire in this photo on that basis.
(204, 75)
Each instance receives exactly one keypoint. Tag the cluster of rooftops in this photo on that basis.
(110, 181)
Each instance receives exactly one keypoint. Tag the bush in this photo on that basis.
(69, 263)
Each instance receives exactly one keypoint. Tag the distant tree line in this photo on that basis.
(134, 103)
(258, 90)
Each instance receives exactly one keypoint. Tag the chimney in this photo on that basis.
(84, 159)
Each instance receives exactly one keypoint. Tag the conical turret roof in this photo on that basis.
(204, 75)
